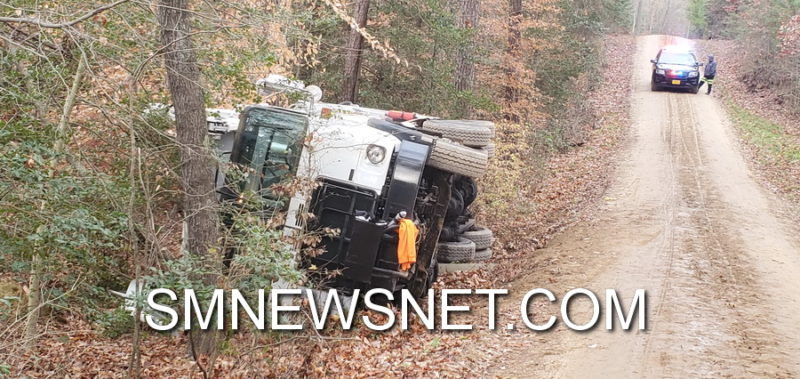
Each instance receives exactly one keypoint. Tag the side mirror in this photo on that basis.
(653, 61)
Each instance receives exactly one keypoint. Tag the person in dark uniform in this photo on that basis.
(709, 73)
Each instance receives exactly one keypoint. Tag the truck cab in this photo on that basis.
(371, 171)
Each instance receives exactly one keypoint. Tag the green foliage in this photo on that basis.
(50, 209)
(765, 134)
(188, 271)
(756, 25)
(262, 256)
(721, 17)
(617, 15)
(115, 323)
(422, 32)
(259, 255)
(698, 16)
(70, 207)
(573, 53)
(7, 305)
(49, 205)
(5, 370)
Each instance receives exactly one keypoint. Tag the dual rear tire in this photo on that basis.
(473, 245)
(464, 146)
(450, 156)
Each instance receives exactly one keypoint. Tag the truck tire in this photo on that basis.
(482, 237)
(458, 159)
(466, 225)
(461, 251)
(472, 133)
(490, 148)
(455, 206)
(482, 255)
(468, 189)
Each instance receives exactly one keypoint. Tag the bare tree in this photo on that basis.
(197, 179)
(35, 283)
(513, 49)
(465, 57)
(352, 62)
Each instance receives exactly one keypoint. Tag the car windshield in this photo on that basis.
(677, 58)
(269, 147)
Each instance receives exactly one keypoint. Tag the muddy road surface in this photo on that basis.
(685, 220)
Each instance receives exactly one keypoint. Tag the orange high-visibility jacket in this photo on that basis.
(407, 244)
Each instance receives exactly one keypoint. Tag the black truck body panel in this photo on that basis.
(410, 162)
(366, 249)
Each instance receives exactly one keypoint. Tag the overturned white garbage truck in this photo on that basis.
(374, 170)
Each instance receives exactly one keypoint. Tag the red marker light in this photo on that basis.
(401, 116)
(325, 113)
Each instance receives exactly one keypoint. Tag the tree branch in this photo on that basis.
(44, 24)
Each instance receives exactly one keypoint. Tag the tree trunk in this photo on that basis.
(61, 129)
(465, 57)
(34, 298)
(513, 53)
(35, 283)
(197, 164)
(352, 61)
(34, 301)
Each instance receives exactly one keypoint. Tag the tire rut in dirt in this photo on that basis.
(719, 262)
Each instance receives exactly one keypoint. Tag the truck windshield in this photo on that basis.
(686, 59)
(269, 147)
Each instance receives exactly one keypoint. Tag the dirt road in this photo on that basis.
(686, 221)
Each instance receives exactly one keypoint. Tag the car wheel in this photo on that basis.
(654, 86)
(458, 159)
(695, 90)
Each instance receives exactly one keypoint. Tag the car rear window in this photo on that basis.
(677, 58)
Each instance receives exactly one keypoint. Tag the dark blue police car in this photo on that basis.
(675, 67)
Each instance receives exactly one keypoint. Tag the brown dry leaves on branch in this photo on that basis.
(547, 198)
